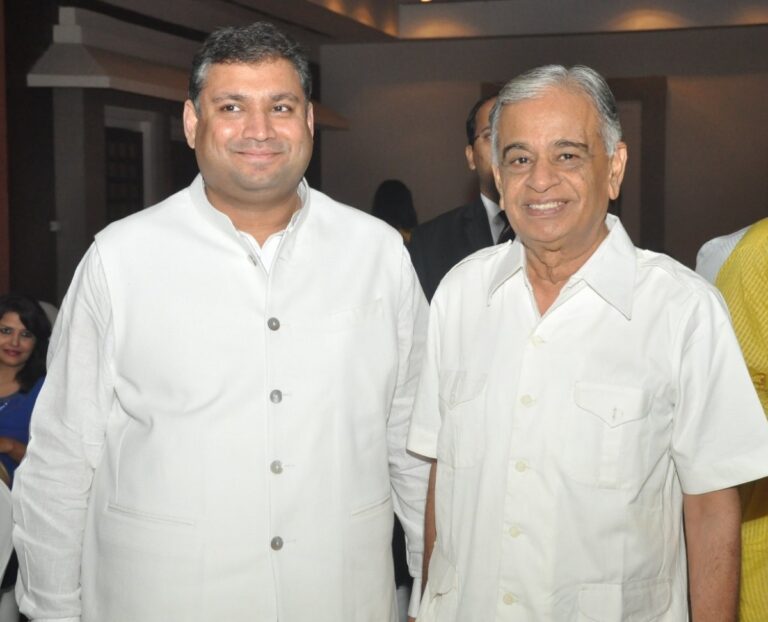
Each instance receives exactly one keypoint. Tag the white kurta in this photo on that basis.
(565, 442)
(219, 442)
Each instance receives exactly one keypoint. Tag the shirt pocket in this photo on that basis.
(633, 601)
(461, 441)
(605, 433)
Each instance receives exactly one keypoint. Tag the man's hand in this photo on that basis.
(713, 541)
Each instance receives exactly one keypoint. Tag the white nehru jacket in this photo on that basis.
(219, 442)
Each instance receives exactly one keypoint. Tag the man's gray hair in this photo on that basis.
(534, 82)
(256, 43)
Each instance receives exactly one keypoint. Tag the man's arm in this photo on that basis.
(408, 473)
(52, 485)
(713, 541)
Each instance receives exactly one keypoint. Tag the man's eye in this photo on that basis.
(567, 156)
(230, 108)
(520, 161)
(281, 108)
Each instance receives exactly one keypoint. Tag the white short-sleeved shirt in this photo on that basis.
(565, 442)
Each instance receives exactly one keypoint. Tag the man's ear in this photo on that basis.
(618, 166)
(190, 123)
(311, 119)
(469, 153)
(497, 182)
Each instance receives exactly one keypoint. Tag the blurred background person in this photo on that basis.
(393, 203)
(24, 333)
(442, 242)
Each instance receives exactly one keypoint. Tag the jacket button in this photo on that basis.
(276, 543)
(276, 467)
(276, 396)
(273, 323)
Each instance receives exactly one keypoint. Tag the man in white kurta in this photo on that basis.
(223, 423)
(570, 423)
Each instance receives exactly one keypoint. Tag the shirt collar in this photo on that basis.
(223, 223)
(609, 272)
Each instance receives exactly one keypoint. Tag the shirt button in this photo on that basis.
(273, 323)
(276, 543)
(276, 396)
(536, 340)
(521, 466)
(276, 467)
(509, 599)
(527, 400)
(514, 531)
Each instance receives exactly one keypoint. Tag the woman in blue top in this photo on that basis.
(24, 333)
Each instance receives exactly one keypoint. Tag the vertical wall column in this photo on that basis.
(5, 253)
(79, 173)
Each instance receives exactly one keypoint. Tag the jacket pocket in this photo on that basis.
(461, 441)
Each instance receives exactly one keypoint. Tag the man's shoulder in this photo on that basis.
(668, 278)
(346, 219)
(476, 269)
(146, 219)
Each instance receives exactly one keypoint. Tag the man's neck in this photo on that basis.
(550, 268)
(259, 220)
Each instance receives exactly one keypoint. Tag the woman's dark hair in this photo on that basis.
(393, 204)
(36, 322)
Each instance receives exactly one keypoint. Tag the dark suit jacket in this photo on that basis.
(439, 244)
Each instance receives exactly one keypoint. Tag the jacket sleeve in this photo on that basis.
(409, 474)
(66, 438)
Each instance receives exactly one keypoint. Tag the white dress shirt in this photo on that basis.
(219, 441)
(565, 441)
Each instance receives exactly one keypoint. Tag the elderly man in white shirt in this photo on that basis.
(577, 394)
(221, 435)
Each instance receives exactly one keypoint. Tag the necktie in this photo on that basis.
(506, 232)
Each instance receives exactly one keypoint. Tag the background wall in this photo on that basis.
(407, 101)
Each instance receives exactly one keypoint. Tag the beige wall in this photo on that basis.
(406, 103)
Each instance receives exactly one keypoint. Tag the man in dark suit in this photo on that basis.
(438, 245)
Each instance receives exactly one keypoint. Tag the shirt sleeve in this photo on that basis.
(720, 435)
(66, 439)
(409, 474)
(426, 419)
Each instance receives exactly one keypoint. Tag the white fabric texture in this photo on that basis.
(215, 441)
(6, 526)
(565, 442)
(713, 254)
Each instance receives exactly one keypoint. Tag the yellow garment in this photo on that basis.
(743, 280)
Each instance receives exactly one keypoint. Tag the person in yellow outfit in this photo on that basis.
(743, 281)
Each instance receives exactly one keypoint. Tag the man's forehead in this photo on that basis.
(274, 67)
(558, 114)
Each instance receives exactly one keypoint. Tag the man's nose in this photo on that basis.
(258, 126)
(543, 175)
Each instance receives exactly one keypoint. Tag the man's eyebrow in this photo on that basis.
(238, 97)
(511, 146)
(574, 144)
(286, 95)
